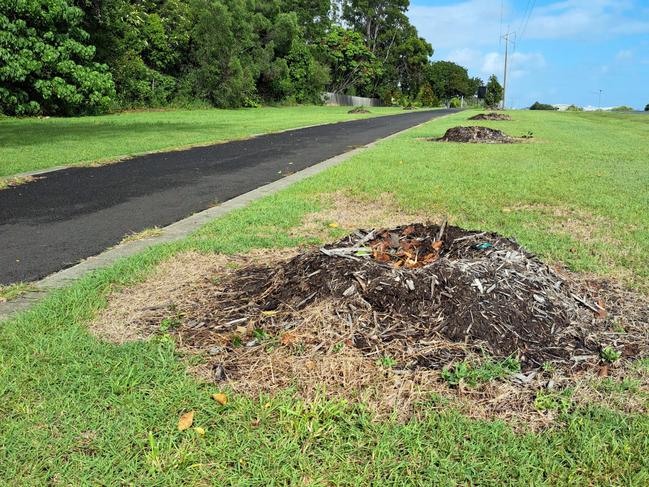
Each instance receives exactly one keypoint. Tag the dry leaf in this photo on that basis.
(221, 398)
(603, 371)
(200, 431)
(333, 225)
(287, 339)
(269, 313)
(185, 421)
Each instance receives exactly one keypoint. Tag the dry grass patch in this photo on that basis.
(347, 213)
(17, 181)
(144, 234)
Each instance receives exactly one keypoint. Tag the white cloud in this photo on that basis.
(475, 23)
(624, 55)
(520, 63)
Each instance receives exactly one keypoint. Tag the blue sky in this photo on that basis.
(565, 53)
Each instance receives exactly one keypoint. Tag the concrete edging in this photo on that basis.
(176, 231)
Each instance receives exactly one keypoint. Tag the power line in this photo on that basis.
(507, 38)
(529, 16)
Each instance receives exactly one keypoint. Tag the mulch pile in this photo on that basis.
(424, 295)
(491, 116)
(476, 135)
(358, 110)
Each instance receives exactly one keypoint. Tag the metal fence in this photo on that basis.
(350, 101)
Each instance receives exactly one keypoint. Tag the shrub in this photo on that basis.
(46, 63)
(574, 108)
(542, 106)
(622, 108)
(646, 108)
(454, 103)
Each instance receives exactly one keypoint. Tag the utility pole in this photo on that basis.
(599, 103)
(507, 41)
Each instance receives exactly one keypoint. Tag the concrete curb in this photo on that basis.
(175, 231)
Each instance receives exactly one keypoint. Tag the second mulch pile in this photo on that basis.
(423, 295)
(476, 135)
(491, 116)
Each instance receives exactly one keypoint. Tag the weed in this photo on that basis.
(472, 375)
(610, 355)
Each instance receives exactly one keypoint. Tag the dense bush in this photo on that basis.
(646, 108)
(70, 57)
(622, 108)
(46, 63)
(494, 92)
(542, 106)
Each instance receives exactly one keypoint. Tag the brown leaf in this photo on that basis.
(602, 311)
(186, 421)
(221, 398)
(287, 339)
(437, 244)
(603, 371)
(409, 230)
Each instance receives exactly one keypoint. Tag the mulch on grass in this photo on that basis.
(423, 297)
(491, 116)
(476, 135)
(359, 110)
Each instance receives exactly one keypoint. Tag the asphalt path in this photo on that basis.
(71, 214)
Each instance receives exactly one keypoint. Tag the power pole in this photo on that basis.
(507, 41)
(599, 104)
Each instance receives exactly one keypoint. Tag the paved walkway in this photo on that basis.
(71, 214)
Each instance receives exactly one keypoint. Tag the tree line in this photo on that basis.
(71, 57)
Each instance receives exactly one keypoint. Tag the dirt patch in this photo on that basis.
(359, 110)
(491, 116)
(476, 135)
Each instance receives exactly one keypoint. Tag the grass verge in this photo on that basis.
(78, 411)
(33, 144)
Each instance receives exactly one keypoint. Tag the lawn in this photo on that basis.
(32, 144)
(78, 411)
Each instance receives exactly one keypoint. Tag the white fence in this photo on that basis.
(350, 101)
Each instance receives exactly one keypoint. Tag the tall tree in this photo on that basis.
(494, 92)
(46, 63)
(449, 80)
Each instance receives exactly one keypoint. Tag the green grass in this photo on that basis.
(77, 411)
(32, 144)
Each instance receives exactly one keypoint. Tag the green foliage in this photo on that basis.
(646, 108)
(494, 92)
(622, 108)
(65, 59)
(553, 401)
(455, 102)
(610, 355)
(449, 80)
(472, 375)
(46, 63)
(542, 106)
(574, 108)
(351, 62)
(427, 97)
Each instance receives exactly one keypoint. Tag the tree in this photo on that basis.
(46, 64)
(427, 97)
(494, 92)
(350, 61)
(449, 80)
(646, 108)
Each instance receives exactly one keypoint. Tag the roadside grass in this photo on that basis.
(13, 291)
(31, 144)
(144, 234)
(77, 411)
